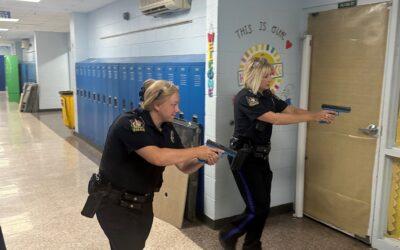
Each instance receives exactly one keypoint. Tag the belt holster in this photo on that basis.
(97, 191)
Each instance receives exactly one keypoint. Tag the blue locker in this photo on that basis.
(159, 72)
(85, 99)
(98, 106)
(78, 94)
(83, 91)
(104, 102)
(23, 74)
(82, 101)
(148, 72)
(110, 97)
(93, 112)
(115, 91)
(139, 81)
(31, 72)
(123, 90)
(94, 104)
(169, 73)
(90, 114)
(197, 92)
(133, 94)
(182, 80)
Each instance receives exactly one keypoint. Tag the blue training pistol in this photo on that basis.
(227, 151)
(337, 109)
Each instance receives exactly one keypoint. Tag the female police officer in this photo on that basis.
(139, 145)
(256, 109)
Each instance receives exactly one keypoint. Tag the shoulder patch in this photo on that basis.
(252, 101)
(137, 125)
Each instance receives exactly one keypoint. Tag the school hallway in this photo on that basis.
(44, 170)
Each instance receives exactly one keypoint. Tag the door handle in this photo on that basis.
(371, 130)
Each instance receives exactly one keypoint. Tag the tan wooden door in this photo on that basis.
(348, 54)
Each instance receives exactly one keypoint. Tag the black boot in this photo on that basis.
(253, 246)
(227, 244)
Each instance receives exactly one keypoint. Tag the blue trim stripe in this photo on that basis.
(251, 207)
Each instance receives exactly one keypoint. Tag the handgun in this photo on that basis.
(337, 109)
(227, 151)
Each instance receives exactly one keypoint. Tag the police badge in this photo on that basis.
(137, 125)
(252, 101)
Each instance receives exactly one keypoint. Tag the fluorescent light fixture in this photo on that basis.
(2, 19)
(34, 1)
(1, 29)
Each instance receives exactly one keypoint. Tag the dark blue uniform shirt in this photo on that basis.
(121, 165)
(247, 107)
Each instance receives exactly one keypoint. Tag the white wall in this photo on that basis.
(7, 47)
(26, 55)
(222, 193)
(5, 50)
(87, 30)
(29, 55)
(52, 67)
(78, 49)
(177, 40)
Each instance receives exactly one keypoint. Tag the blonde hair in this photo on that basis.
(255, 70)
(148, 82)
(157, 92)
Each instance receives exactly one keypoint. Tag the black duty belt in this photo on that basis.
(130, 200)
(127, 198)
(261, 151)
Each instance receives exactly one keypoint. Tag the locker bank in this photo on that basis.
(69, 70)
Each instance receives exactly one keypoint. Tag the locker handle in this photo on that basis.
(109, 100)
(115, 102)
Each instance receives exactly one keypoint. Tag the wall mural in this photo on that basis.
(269, 52)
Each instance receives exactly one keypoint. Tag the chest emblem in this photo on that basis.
(172, 137)
(252, 101)
(137, 125)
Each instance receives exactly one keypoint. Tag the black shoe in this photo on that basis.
(227, 244)
(253, 246)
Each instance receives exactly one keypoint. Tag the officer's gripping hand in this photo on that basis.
(208, 154)
(325, 116)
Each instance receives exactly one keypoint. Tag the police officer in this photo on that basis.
(256, 109)
(139, 145)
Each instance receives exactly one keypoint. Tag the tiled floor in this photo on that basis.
(44, 171)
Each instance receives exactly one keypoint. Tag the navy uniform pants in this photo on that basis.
(254, 183)
(125, 228)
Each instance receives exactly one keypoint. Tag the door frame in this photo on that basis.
(386, 122)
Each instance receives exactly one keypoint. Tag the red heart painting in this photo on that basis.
(288, 44)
